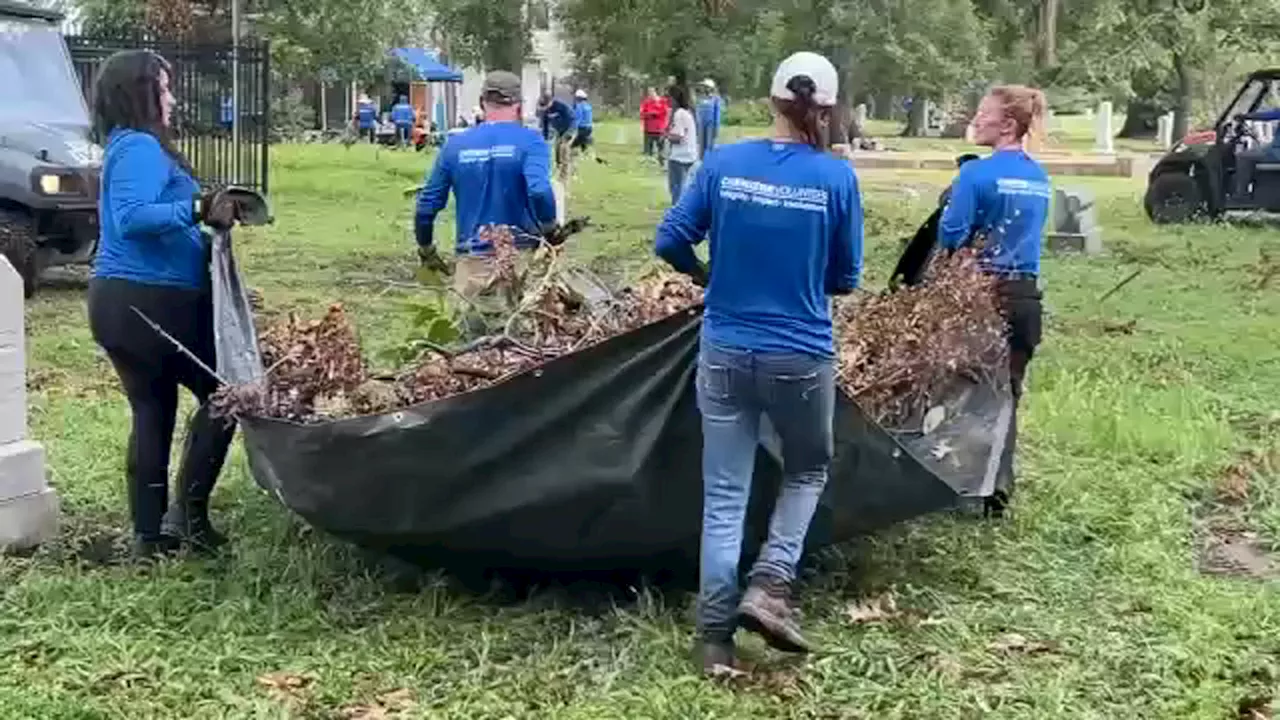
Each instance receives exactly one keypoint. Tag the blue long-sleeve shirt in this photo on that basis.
(147, 230)
(709, 109)
(557, 117)
(402, 115)
(366, 115)
(500, 173)
(785, 222)
(1004, 198)
(583, 114)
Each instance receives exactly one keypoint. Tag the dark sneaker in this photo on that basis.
(718, 658)
(151, 550)
(193, 529)
(766, 610)
(996, 506)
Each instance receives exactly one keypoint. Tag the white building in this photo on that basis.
(549, 61)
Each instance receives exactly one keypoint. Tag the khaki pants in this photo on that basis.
(564, 156)
(472, 276)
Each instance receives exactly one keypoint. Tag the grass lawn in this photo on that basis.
(1152, 426)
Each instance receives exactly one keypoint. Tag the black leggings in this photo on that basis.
(150, 370)
(1021, 301)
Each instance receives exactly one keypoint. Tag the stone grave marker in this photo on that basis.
(1104, 132)
(1074, 222)
(28, 507)
(1164, 131)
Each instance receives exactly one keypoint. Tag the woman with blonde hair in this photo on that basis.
(1004, 200)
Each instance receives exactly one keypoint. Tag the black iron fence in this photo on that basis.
(226, 141)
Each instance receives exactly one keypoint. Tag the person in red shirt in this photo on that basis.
(653, 119)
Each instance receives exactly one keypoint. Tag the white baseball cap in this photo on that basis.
(708, 82)
(581, 94)
(816, 68)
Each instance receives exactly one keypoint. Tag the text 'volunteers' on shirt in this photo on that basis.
(500, 174)
(785, 226)
(1005, 199)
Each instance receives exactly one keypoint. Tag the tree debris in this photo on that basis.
(900, 351)
(897, 351)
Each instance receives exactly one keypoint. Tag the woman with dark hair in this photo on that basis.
(1003, 199)
(785, 222)
(683, 136)
(153, 259)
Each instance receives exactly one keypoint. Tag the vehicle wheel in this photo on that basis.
(1174, 198)
(18, 244)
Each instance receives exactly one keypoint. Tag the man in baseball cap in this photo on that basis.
(500, 174)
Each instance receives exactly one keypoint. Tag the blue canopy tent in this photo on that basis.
(426, 65)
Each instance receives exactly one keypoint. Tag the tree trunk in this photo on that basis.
(1140, 118)
(916, 119)
(1182, 98)
(1047, 35)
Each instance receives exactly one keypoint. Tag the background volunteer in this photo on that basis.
(584, 119)
(1002, 201)
(153, 256)
(499, 173)
(785, 223)
(683, 136)
(558, 122)
(366, 118)
(403, 115)
(653, 120)
(709, 109)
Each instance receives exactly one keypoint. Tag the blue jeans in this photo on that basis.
(735, 388)
(676, 174)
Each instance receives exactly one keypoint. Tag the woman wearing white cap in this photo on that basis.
(785, 224)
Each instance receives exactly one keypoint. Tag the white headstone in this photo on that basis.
(860, 116)
(28, 508)
(621, 135)
(1102, 125)
(1164, 131)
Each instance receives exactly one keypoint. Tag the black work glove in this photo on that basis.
(430, 259)
(217, 209)
(700, 275)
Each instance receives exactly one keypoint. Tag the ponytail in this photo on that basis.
(1027, 107)
(810, 121)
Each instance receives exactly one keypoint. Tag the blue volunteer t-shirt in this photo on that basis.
(500, 173)
(1005, 198)
(785, 222)
(402, 115)
(709, 112)
(366, 115)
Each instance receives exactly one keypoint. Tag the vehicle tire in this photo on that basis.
(1174, 198)
(18, 244)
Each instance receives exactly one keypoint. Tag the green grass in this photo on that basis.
(1095, 574)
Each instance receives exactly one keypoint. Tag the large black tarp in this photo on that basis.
(591, 462)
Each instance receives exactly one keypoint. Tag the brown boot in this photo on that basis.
(766, 610)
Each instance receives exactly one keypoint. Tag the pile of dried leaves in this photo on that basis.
(316, 371)
(898, 352)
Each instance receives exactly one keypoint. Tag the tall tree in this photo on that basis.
(491, 34)
(1153, 51)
